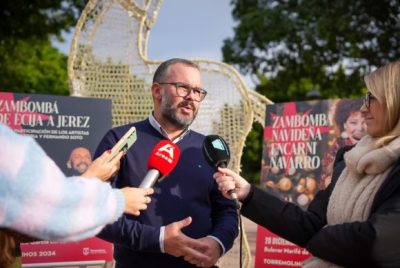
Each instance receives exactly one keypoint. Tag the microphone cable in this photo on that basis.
(240, 238)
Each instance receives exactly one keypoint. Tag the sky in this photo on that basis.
(192, 29)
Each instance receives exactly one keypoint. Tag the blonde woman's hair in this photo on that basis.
(7, 247)
(9, 242)
(384, 84)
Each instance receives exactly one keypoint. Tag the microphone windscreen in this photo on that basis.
(164, 157)
(216, 151)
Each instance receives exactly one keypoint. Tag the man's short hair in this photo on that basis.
(162, 70)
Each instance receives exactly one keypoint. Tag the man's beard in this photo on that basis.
(170, 112)
(80, 168)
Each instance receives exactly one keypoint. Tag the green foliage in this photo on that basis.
(295, 46)
(330, 43)
(290, 85)
(252, 153)
(28, 62)
(21, 19)
(33, 66)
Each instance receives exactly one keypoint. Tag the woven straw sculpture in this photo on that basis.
(108, 59)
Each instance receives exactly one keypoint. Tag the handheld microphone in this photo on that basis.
(162, 161)
(217, 153)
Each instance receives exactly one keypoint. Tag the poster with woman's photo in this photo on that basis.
(300, 143)
(69, 130)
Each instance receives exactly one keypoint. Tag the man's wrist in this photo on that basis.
(221, 246)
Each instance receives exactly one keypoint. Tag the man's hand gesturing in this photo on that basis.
(179, 245)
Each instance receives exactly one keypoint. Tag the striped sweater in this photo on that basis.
(37, 199)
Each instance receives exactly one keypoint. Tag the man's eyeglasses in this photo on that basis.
(367, 99)
(183, 90)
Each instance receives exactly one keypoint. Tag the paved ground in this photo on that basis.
(231, 259)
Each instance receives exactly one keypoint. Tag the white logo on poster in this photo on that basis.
(86, 251)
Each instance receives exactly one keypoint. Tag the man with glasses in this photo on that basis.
(189, 191)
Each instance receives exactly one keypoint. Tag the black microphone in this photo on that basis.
(217, 153)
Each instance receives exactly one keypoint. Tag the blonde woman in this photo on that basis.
(355, 221)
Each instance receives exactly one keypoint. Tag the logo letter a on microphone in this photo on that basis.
(168, 148)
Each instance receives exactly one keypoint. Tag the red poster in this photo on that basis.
(274, 251)
(90, 251)
(300, 143)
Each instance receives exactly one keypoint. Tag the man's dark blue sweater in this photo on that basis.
(189, 190)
